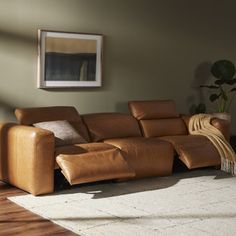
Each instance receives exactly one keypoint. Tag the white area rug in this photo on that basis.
(201, 202)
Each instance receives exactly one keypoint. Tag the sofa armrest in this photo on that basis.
(186, 119)
(27, 158)
(222, 125)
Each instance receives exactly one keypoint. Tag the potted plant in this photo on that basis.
(223, 87)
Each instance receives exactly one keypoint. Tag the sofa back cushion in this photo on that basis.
(158, 118)
(159, 109)
(30, 116)
(163, 127)
(103, 126)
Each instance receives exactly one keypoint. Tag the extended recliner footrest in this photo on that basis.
(194, 150)
(94, 166)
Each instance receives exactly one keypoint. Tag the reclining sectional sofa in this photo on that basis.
(105, 146)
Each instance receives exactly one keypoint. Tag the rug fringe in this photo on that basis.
(228, 166)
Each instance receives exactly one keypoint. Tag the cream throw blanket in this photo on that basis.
(200, 125)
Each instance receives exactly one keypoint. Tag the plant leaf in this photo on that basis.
(223, 69)
(220, 81)
(224, 95)
(201, 108)
(231, 81)
(214, 97)
(233, 89)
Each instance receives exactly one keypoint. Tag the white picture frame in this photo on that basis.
(67, 59)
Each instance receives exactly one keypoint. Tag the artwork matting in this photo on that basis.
(67, 59)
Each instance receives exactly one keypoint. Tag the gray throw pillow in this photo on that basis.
(64, 132)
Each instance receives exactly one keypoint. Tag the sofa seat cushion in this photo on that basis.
(80, 149)
(194, 150)
(148, 157)
(94, 166)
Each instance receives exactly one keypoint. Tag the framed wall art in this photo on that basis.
(69, 59)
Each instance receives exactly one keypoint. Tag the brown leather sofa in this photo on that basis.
(119, 146)
(161, 119)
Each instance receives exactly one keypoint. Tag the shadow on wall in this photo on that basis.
(122, 107)
(201, 75)
(13, 43)
(6, 114)
(7, 110)
(20, 38)
(16, 43)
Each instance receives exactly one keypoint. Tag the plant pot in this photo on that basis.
(223, 116)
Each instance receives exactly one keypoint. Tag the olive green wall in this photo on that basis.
(153, 49)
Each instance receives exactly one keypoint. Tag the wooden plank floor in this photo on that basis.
(15, 220)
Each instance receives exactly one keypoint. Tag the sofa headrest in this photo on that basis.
(30, 116)
(103, 126)
(158, 109)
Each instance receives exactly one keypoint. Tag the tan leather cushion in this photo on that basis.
(81, 148)
(220, 124)
(64, 133)
(153, 109)
(147, 156)
(223, 126)
(29, 116)
(194, 150)
(163, 127)
(94, 166)
(111, 125)
(26, 158)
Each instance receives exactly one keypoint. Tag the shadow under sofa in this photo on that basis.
(116, 148)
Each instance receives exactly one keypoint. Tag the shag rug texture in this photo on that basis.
(199, 202)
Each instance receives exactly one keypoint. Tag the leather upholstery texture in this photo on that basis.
(116, 147)
(27, 158)
(148, 157)
(160, 119)
(222, 125)
(94, 166)
(194, 150)
(80, 149)
(158, 109)
(163, 127)
(30, 116)
(103, 126)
